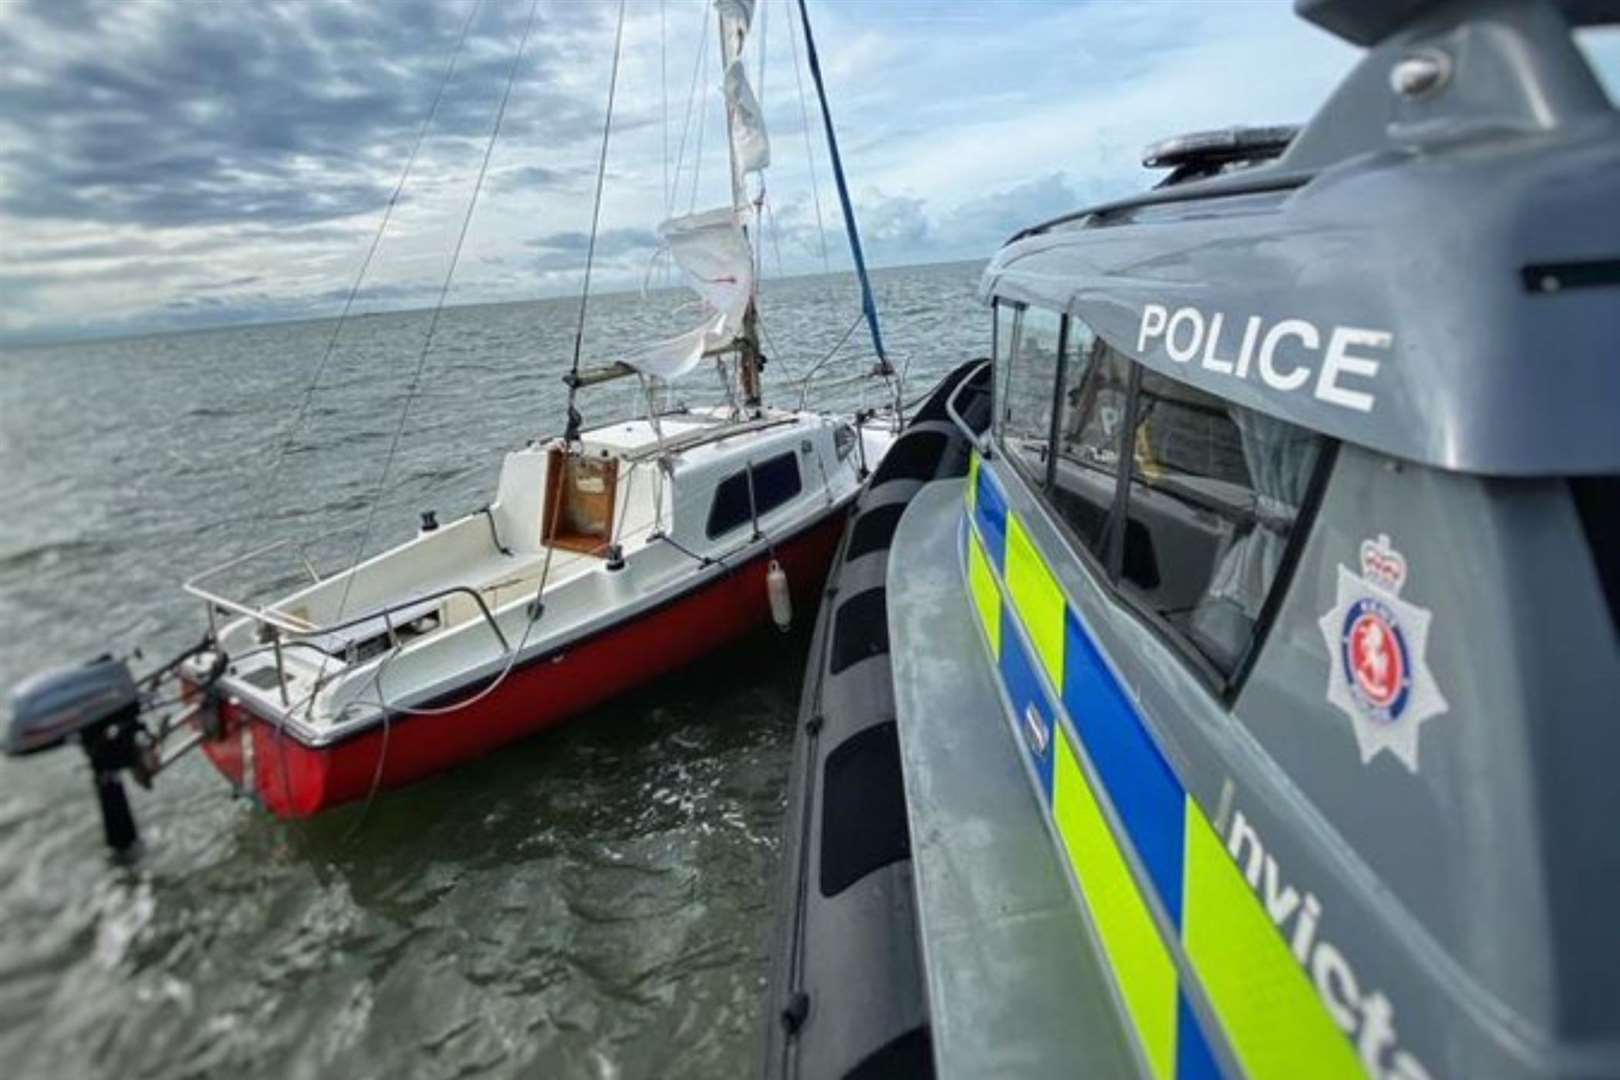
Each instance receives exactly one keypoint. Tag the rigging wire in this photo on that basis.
(414, 387)
(691, 97)
(365, 263)
(809, 151)
(663, 86)
(348, 305)
(832, 352)
(596, 217)
(703, 115)
(776, 236)
(763, 39)
(868, 303)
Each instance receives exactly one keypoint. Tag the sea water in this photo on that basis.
(594, 901)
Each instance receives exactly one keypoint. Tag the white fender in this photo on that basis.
(776, 587)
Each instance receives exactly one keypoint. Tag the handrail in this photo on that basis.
(301, 549)
(214, 571)
(693, 439)
(287, 624)
(295, 630)
(979, 441)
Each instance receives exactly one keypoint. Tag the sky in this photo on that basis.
(167, 164)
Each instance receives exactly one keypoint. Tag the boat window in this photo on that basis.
(1090, 426)
(1601, 47)
(776, 480)
(1031, 363)
(1215, 490)
(1004, 318)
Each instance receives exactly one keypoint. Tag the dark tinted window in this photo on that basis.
(1029, 358)
(776, 480)
(1215, 493)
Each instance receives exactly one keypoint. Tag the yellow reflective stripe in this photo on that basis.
(1037, 598)
(986, 596)
(1266, 1004)
(1273, 1018)
(1137, 953)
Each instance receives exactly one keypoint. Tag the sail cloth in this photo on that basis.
(736, 16)
(747, 121)
(748, 138)
(711, 248)
(712, 251)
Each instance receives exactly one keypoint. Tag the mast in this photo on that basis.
(748, 355)
(868, 302)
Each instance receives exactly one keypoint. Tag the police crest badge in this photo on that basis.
(1377, 673)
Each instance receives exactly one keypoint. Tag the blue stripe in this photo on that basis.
(1140, 783)
(1029, 701)
(1194, 1059)
(990, 511)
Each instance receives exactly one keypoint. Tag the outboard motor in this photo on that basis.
(97, 704)
(103, 707)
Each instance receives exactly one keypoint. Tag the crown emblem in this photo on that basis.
(1377, 645)
(1382, 565)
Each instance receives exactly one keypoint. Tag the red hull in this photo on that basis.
(294, 780)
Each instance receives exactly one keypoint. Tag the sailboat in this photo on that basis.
(610, 554)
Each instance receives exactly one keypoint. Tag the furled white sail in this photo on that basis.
(738, 15)
(751, 148)
(712, 251)
(747, 121)
(711, 248)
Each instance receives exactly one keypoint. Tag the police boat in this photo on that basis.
(1221, 680)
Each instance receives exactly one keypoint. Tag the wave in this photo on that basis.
(51, 553)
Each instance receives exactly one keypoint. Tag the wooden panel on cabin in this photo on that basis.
(578, 511)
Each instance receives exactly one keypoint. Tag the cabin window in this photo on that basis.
(1030, 359)
(776, 480)
(1185, 502)
(1092, 403)
(1005, 318)
(1215, 492)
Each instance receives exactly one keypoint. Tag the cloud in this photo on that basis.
(171, 114)
(895, 222)
(534, 177)
(173, 163)
(608, 242)
(984, 224)
(620, 249)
